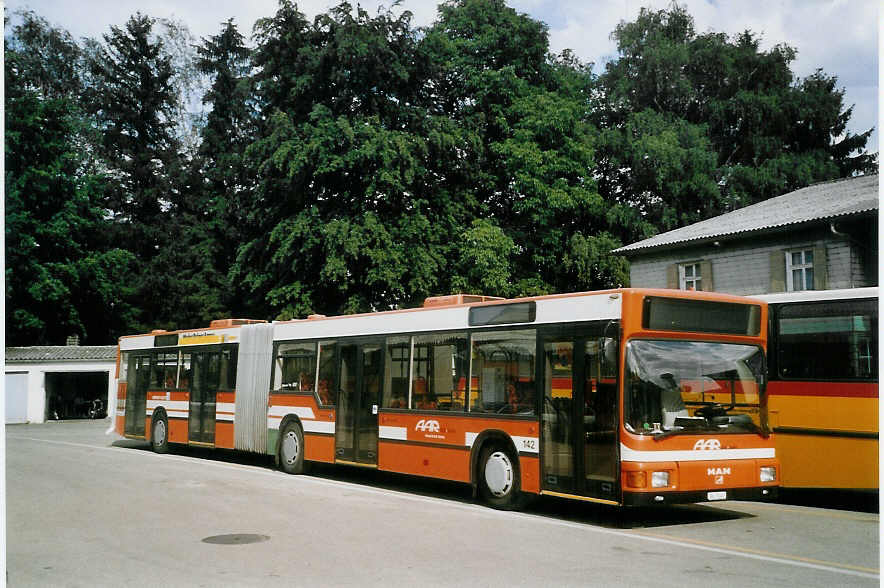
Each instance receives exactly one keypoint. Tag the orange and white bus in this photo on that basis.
(823, 387)
(622, 397)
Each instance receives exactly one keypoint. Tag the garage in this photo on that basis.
(16, 397)
(76, 395)
(59, 383)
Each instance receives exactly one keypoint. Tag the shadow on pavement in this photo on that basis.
(855, 500)
(559, 508)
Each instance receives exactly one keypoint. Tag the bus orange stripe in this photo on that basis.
(832, 389)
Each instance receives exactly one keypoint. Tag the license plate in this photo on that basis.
(716, 495)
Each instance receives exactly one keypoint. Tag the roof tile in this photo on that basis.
(822, 201)
(61, 353)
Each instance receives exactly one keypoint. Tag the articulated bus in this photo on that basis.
(622, 397)
(823, 389)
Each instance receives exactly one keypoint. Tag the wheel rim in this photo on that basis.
(499, 474)
(290, 447)
(159, 432)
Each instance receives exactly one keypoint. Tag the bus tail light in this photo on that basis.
(636, 479)
(659, 479)
(768, 474)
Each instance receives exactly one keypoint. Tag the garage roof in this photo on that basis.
(824, 201)
(61, 353)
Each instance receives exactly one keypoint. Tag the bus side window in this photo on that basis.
(396, 373)
(228, 368)
(184, 371)
(295, 366)
(327, 389)
(503, 363)
(439, 365)
(828, 340)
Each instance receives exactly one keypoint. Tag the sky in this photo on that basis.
(838, 36)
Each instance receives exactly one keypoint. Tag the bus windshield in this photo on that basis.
(677, 387)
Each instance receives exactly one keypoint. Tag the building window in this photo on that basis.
(799, 270)
(689, 276)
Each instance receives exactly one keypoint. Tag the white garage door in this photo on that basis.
(16, 392)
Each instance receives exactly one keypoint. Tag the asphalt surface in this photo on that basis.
(89, 509)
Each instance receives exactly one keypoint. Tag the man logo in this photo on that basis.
(718, 471)
(427, 426)
(718, 474)
(707, 445)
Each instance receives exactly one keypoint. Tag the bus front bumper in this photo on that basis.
(662, 498)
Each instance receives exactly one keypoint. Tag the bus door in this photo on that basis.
(203, 391)
(356, 429)
(136, 394)
(579, 416)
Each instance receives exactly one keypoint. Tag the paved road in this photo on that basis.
(89, 509)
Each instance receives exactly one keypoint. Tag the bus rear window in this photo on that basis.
(701, 316)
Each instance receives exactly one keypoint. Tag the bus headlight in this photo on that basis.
(659, 479)
(768, 474)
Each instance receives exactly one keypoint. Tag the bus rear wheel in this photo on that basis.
(498, 477)
(159, 434)
(291, 448)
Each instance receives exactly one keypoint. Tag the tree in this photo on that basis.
(700, 95)
(62, 277)
(217, 186)
(657, 172)
(531, 157)
(133, 101)
(133, 96)
(484, 257)
(344, 218)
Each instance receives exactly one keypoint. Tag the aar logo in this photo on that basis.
(707, 445)
(427, 426)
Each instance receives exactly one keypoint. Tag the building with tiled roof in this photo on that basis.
(58, 382)
(817, 238)
(61, 353)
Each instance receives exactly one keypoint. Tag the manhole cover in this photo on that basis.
(236, 539)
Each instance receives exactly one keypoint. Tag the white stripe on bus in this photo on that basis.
(168, 404)
(628, 454)
(303, 412)
(395, 433)
(327, 427)
(309, 425)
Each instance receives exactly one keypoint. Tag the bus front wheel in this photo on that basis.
(499, 477)
(159, 434)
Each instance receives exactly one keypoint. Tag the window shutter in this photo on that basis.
(706, 277)
(777, 271)
(820, 269)
(672, 276)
